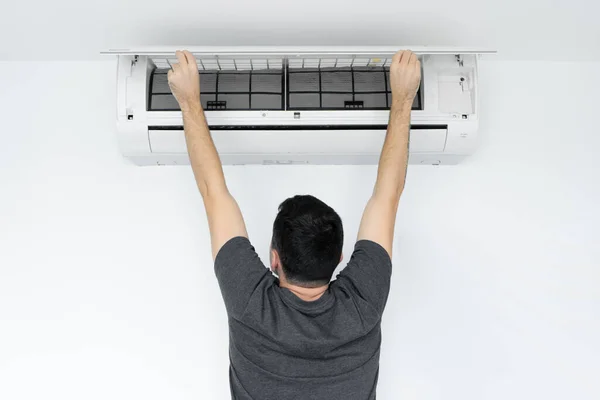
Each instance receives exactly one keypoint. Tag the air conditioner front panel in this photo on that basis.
(287, 51)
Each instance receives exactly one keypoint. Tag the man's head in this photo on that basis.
(307, 241)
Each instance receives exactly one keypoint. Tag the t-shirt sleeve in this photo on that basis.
(240, 272)
(368, 273)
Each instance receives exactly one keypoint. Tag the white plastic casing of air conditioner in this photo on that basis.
(443, 131)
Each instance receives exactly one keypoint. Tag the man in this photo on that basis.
(301, 337)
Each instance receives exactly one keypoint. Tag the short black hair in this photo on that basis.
(308, 236)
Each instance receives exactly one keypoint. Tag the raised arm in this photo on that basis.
(224, 216)
(379, 217)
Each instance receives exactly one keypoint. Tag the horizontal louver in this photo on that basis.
(260, 63)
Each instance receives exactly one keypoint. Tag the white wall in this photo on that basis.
(107, 288)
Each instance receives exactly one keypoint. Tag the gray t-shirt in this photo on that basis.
(282, 347)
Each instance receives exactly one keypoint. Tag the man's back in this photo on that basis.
(282, 347)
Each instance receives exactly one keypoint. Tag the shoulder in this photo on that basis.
(235, 251)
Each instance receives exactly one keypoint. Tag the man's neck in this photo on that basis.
(304, 293)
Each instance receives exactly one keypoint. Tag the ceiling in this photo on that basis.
(518, 29)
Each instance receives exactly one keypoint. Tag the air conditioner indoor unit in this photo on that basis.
(297, 105)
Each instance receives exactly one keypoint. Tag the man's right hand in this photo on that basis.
(184, 81)
(405, 77)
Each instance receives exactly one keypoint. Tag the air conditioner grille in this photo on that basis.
(224, 63)
(365, 88)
